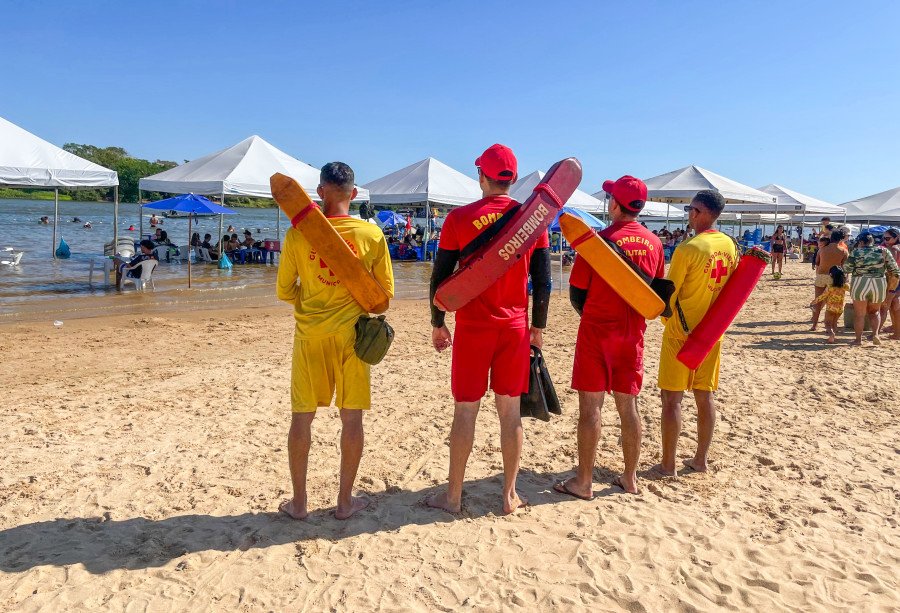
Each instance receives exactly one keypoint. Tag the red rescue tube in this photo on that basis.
(718, 318)
(514, 241)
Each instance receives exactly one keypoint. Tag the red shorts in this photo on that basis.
(504, 352)
(609, 357)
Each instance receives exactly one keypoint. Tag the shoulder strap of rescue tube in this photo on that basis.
(485, 237)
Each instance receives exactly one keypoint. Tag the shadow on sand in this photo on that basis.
(102, 544)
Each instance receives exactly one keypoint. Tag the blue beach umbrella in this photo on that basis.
(190, 203)
(582, 215)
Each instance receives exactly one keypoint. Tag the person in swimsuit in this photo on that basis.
(869, 265)
(833, 299)
(829, 254)
(891, 304)
(779, 248)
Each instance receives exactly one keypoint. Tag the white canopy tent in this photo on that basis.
(883, 207)
(522, 189)
(653, 210)
(800, 206)
(680, 186)
(29, 161)
(243, 169)
(427, 182)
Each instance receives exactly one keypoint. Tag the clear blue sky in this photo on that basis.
(805, 94)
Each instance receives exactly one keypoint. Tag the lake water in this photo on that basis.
(40, 278)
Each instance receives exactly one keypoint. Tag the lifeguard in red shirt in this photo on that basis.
(492, 336)
(609, 352)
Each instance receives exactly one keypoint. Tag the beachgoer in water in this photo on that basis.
(609, 350)
(153, 220)
(195, 239)
(44, 220)
(131, 267)
(700, 267)
(207, 244)
(492, 336)
(131, 228)
(779, 248)
(230, 229)
(833, 299)
(869, 264)
(87, 225)
(324, 361)
(76, 220)
(891, 304)
(829, 255)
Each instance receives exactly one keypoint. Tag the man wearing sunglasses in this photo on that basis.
(891, 304)
(700, 267)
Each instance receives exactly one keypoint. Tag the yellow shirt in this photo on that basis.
(322, 305)
(700, 267)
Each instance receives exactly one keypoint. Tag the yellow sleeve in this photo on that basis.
(381, 266)
(678, 268)
(286, 284)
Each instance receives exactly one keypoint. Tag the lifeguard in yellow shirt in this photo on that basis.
(700, 267)
(325, 365)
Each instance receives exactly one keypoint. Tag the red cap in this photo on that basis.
(498, 163)
(628, 191)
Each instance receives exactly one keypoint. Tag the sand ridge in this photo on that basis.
(145, 458)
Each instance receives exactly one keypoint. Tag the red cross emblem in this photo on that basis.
(322, 264)
(719, 271)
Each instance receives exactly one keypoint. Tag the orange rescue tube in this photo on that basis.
(307, 217)
(610, 266)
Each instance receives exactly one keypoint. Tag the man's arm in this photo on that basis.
(444, 264)
(286, 283)
(577, 297)
(677, 272)
(382, 268)
(539, 268)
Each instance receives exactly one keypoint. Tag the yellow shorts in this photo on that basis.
(676, 377)
(326, 368)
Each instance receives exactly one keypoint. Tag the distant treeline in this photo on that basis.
(130, 170)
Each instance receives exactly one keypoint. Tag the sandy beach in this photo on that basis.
(146, 457)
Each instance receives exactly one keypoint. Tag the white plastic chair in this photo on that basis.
(146, 277)
(202, 254)
(162, 253)
(184, 253)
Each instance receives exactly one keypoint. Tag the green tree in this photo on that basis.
(130, 171)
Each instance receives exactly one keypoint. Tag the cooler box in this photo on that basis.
(270, 245)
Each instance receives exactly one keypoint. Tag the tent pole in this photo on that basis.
(116, 218)
(140, 216)
(55, 219)
(277, 221)
(561, 240)
(776, 227)
(425, 234)
(221, 226)
(190, 216)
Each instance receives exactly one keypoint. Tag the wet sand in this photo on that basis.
(145, 459)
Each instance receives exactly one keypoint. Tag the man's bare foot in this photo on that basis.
(857, 343)
(696, 466)
(292, 510)
(570, 487)
(513, 502)
(876, 340)
(663, 472)
(357, 503)
(814, 327)
(627, 483)
(895, 337)
(441, 501)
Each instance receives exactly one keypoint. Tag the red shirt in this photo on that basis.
(506, 301)
(603, 305)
